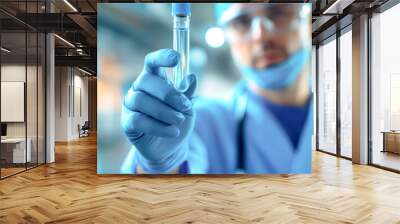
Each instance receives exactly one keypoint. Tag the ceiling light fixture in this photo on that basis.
(215, 37)
(70, 5)
(5, 50)
(65, 41)
(84, 71)
(337, 7)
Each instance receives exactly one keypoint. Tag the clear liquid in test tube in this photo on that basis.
(181, 14)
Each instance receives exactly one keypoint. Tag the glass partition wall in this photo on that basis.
(327, 96)
(334, 84)
(345, 61)
(13, 110)
(22, 76)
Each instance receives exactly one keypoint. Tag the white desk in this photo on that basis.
(19, 149)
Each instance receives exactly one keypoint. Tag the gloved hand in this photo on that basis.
(156, 117)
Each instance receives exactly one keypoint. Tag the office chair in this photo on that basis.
(84, 130)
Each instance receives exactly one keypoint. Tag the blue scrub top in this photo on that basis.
(269, 147)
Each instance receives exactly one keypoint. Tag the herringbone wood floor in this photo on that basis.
(70, 191)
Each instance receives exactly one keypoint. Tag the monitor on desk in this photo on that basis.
(3, 130)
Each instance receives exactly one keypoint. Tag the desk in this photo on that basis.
(17, 150)
(391, 141)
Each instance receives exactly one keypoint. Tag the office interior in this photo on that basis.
(49, 85)
(367, 79)
(48, 82)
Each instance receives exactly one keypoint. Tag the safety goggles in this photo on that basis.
(280, 19)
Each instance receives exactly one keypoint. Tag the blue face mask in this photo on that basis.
(279, 76)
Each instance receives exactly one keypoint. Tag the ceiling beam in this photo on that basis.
(84, 24)
(81, 61)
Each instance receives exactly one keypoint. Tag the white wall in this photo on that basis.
(70, 83)
(80, 84)
(62, 81)
(13, 100)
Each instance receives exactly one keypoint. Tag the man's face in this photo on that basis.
(253, 44)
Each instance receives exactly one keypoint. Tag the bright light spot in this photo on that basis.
(215, 37)
(305, 10)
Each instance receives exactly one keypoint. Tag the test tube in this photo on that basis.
(181, 14)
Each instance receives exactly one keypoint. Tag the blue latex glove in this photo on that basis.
(156, 117)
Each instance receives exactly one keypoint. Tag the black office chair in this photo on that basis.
(84, 130)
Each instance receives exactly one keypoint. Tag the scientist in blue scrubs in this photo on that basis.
(265, 127)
